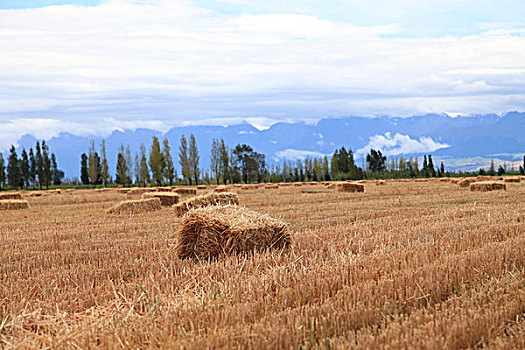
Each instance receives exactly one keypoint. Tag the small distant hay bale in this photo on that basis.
(167, 199)
(512, 179)
(135, 192)
(286, 184)
(466, 182)
(10, 195)
(221, 189)
(13, 204)
(164, 189)
(105, 189)
(297, 184)
(223, 230)
(380, 182)
(202, 187)
(135, 206)
(185, 191)
(271, 187)
(205, 200)
(483, 178)
(331, 186)
(445, 179)
(123, 190)
(350, 187)
(487, 186)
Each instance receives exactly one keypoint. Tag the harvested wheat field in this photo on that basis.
(409, 265)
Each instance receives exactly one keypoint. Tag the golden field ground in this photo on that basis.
(402, 265)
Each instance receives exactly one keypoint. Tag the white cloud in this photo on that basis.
(400, 144)
(174, 63)
(296, 154)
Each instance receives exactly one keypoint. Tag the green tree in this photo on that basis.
(46, 164)
(243, 155)
(93, 164)
(122, 170)
(56, 174)
(224, 162)
(14, 177)
(326, 169)
(425, 171)
(169, 171)
(32, 167)
(24, 168)
(39, 165)
(193, 159)
(184, 160)
(104, 171)
(155, 161)
(143, 171)
(375, 160)
(442, 169)
(84, 174)
(129, 163)
(501, 170)
(2, 171)
(431, 170)
(215, 159)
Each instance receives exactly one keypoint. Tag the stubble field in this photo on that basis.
(402, 265)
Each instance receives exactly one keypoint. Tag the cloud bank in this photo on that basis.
(178, 62)
(400, 144)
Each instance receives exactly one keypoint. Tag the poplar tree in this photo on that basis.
(39, 165)
(155, 161)
(93, 164)
(13, 169)
(24, 168)
(2, 171)
(224, 162)
(144, 171)
(104, 171)
(56, 174)
(169, 170)
(46, 164)
(326, 169)
(32, 167)
(184, 160)
(193, 159)
(215, 159)
(84, 174)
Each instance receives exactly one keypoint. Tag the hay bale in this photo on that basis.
(135, 192)
(202, 187)
(123, 190)
(466, 182)
(205, 200)
(487, 186)
(221, 230)
(185, 191)
(512, 179)
(104, 189)
(380, 182)
(483, 178)
(297, 184)
(331, 186)
(271, 187)
(10, 195)
(350, 187)
(167, 199)
(445, 179)
(221, 189)
(135, 206)
(13, 204)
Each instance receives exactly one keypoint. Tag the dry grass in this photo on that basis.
(13, 204)
(403, 266)
(135, 206)
(206, 200)
(487, 186)
(222, 230)
(167, 199)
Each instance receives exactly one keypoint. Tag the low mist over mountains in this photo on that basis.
(460, 142)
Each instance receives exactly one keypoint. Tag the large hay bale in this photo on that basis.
(212, 198)
(512, 179)
(135, 206)
(219, 230)
(135, 192)
(466, 182)
(185, 191)
(350, 187)
(13, 204)
(10, 195)
(487, 186)
(167, 199)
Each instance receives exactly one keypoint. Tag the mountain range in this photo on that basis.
(462, 143)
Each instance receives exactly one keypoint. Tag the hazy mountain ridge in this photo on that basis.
(461, 139)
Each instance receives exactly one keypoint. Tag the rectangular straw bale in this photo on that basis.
(212, 198)
(167, 199)
(202, 187)
(222, 230)
(466, 182)
(135, 192)
(123, 190)
(10, 195)
(445, 179)
(350, 187)
(135, 206)
(483, 178)
(297, 184)
(487, 186)
(185, 191)
(271, 187)
(221, 189)
(13, 204)
(512, 179)
(380, 182)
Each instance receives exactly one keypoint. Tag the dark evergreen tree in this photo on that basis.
(32, 167)
(425, 171)
(14, 178)
(375, 160)
(39, 165)
(431, 170)
(2, 171)
(84, 174)
(46, 164)
(24, 168)
(56, 174)
(442, 169)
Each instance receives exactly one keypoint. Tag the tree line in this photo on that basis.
(37, 168)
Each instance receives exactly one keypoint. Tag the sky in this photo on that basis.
(90, 67)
